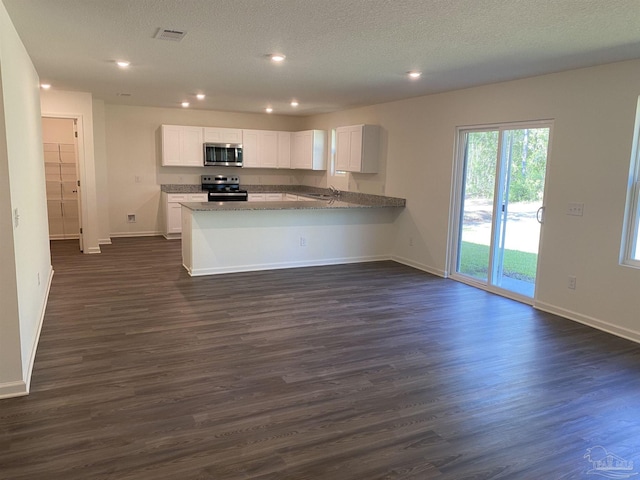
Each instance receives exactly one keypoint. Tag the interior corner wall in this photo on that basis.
(25, 257)
(56, 103)
(593, 110)
(102, 186)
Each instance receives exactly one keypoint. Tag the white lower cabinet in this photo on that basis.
(265, 197)
(173, 211)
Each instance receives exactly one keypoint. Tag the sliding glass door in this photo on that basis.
(500, 206)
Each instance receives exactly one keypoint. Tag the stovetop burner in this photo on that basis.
(223, 188)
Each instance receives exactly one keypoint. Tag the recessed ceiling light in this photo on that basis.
(185, 104)
(277, 57)
(414, 74)
(45, 86)
(123, 63)
(200, 96)
(268, 109)
(294, 103)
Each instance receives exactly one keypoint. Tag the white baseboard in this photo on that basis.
(36, 340)
(21, 387)
(104, 241)
(13, 389)
(626, 333)
(279, 266)
(135, 234)
(419, 266)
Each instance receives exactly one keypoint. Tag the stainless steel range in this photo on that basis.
(223, 188)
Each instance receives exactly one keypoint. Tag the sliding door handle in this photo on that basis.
(540, 215)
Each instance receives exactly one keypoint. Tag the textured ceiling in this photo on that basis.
(340, 53)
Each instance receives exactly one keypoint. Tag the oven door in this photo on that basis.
(228, 196)
(223, 154)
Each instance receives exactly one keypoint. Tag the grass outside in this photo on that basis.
(474, 261)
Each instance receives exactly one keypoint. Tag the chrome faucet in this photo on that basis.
(334, 190)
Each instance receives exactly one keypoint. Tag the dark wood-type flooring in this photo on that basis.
(368, 371)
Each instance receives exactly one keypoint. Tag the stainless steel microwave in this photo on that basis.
(223, 154)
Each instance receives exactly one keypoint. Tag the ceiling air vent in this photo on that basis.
(170, 34)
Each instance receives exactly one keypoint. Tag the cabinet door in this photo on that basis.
(268, 149)
(192, 150)
(171, 145)
(343, 148)
(174, 218)
(273, 197)
(250, 149)
(302, 150)
(256, 197)
(284, 150)
(222, 135)
(355, 149)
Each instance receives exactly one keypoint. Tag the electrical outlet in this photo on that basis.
(138, 179)
(38, 278)
(16, 218)
(303, 242)
(411, 241)
(571, 282)
(576, 209)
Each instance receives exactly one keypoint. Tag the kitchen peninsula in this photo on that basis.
(227, 237)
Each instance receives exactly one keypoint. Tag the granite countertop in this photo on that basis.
(282, 205)
(181, 188)
(344, 200)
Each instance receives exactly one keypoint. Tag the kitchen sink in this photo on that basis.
(320, 196)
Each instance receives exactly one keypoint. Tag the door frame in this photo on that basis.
(80, 166)
(455, 213)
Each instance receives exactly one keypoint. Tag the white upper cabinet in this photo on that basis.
(308, 150)
(182, 146)
(260, 148)
(358, 148)
(250, 149)
(222, 135)
(284, 149)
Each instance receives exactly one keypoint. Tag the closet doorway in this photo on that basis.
(60, 145)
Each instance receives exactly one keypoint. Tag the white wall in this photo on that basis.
(133, 150)
(25, 259)
(79, 105)
(593, 111)
(102, 185)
